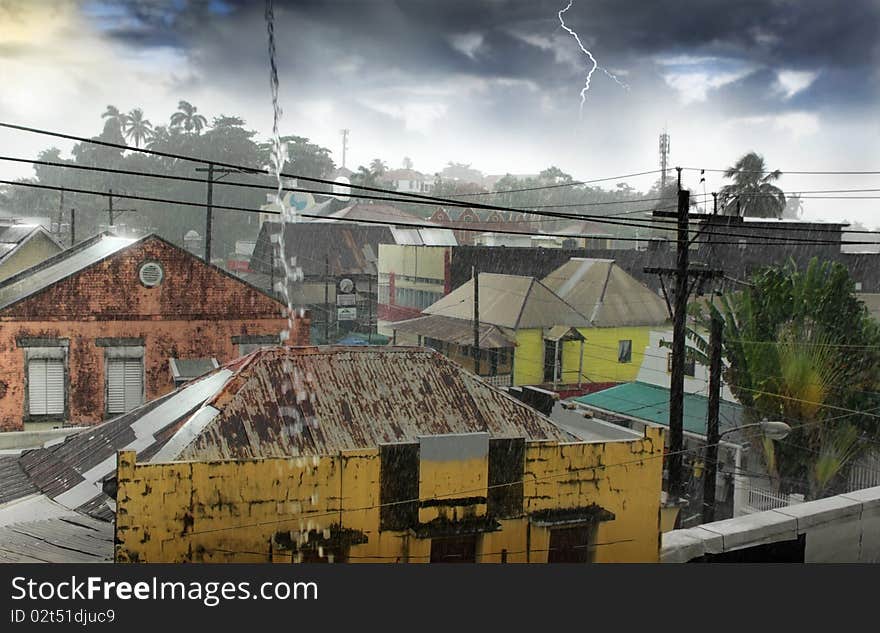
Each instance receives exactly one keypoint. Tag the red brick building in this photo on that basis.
(112, 323)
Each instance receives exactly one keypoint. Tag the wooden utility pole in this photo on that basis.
(60, 213)
(72, 226)
(370, 309)
(326, 298)
(681, 275)
(209, 213)
(679, 316)
(476, 277)
(111, 211)
(211, 169)
(344, 133)
(712, 432)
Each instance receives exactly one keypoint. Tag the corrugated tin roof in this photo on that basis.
(606, 293)
(71, 538)
(315, 244)
(316, 401)
(456, 331)
(53, 270)
(651, 404)
(423, 237)
(509, 301)
(15, 233)
(283, 402)
(14, 483)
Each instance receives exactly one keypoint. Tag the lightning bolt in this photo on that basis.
(595, 66)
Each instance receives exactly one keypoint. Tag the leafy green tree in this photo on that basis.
(801, 347)
(752, 193)
(187, 118)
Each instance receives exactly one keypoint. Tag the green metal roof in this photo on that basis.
(651, 404)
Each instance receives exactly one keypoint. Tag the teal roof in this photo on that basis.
(651, 404)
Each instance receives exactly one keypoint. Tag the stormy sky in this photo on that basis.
(493, 83)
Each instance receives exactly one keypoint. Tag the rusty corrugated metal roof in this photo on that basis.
(317, 401)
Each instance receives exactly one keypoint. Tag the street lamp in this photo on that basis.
(771, 429)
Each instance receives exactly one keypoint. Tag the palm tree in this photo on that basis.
(364, 177)
(112, 113)
(752, 193)
(137, 128)
(187, 118)
(378, 167)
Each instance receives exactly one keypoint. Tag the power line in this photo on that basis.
(572, 183)
(784, 172)
(647, 224)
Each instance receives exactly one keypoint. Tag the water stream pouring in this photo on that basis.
(293, 274)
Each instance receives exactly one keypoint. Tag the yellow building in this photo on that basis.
(623, 313)
(374, 455)
(522, 324)
(23, 246)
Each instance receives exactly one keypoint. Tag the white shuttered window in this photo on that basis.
(125, 384)
(46, 386)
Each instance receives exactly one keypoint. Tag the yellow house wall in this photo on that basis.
(600, 354)
(36, 250)
(528, 363)
(228, 511)
(412, 261)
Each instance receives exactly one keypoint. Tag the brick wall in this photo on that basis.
(194, 313)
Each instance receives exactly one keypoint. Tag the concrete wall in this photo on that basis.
(840, 529)
(252, 510)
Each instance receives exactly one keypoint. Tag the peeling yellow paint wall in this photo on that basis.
(233, 511)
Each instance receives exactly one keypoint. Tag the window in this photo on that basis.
(45, 387)
(124, 379)
(858, 286)
(459, 549)
(689, 365)
(624, 351)
(571, 545)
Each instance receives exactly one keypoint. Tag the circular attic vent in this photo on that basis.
(151, 274)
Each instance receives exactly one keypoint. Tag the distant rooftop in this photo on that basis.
(650, 403)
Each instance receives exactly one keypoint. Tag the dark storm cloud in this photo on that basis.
(793, 32)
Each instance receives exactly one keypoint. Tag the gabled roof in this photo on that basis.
(32, 280)
(650, 403)
(606, 294)
(509, 301)
(14, 236)
(457, 331)
(286, 402)
(85, 255)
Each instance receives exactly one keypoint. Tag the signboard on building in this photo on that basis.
(346, 314)
(346, 300)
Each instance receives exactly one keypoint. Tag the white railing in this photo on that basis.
(865, 473)
(761, 499)
(505, 380)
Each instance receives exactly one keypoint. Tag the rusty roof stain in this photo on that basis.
(321, 400)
